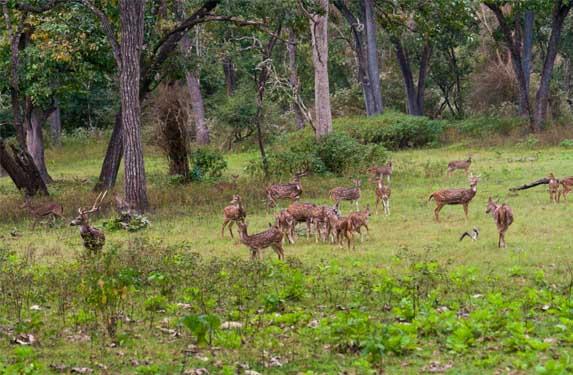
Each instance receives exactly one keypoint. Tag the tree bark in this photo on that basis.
(293, 78)
(175, 136)
(404, 63)
(528, 23)
(560, 11)
(112, 159)
(422, 73)
(131, 44)
(372, 55)
(19, 165)
(55, 120)
(568, 81)
(230, 75)
(35, 140)
(319, 38)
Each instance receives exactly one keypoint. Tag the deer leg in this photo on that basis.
(356, 203)
(223, 228)
(437, 212)
(279, 250)
(35, 222)
(230, 230)
(466, 210)
(377, 202)
(308, 227)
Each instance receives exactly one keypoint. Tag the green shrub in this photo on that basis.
(207, 163)
(478, 126)
(566, 143)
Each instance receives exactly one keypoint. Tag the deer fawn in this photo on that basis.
(272, 237)
(53, 210)
(383, 194)
(346, 194)
(233, 213)
(503, 216)
(383, 171)
(94, 238)
(567, 185)
(222, 186)
(455, 196)
(360, 219)
(459, 164)
(286, 223)
(553, 189)
(342, 228)
(292, 190)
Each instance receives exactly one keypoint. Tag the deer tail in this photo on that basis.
(430, 197)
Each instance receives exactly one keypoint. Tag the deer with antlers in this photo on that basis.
(233, 213)
(503, 216)
(455, 197)
(382, 171)
(554, 194)
(383, 193)
(566, 187)
(346, 194)
(47, 210)
(93, 238)
(459, 164)
(272, 237)
(291, 190)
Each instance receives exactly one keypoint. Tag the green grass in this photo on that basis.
(358, 298)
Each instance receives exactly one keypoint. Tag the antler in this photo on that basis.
(97, 202)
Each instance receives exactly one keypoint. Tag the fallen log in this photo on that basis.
(531, 184)
(20, 166)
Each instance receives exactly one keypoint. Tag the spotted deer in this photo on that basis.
(566, 187)
(459, 164)
(271, 237)
(94, 239)
(46, 210)
(553, 189)
(342, 229)
(233, 213)
(321, 221)
(359, 220)
(346, 194)
(503, 217)
(291, 190)
(383, 193)
(302, 213)
(382, 171)
(455, 197)
(286, 223)
(231, 186)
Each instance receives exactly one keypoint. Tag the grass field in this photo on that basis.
(410, 299)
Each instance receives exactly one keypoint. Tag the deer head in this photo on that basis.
(357, 182)
(83, 218)
(490, 206)
(473, 180)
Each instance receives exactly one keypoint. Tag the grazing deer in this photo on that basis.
(383, 171)
(291, 190)
(567, 186)
(346, 194)
(459, 164)
(503, 217)
(232, 186)
(360, 219)
(383, 194)
(53, 210)
(94, 238)
(302, 213)
(455, 196)
(553, 189)
(272, 237)
(286, 223)
(233, 213)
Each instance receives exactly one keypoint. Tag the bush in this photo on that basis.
(393, 130)
(566, 143)
(207, 163)
(479, 126)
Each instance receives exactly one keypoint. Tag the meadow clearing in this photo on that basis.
(177, 298)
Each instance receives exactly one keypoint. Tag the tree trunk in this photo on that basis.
(55, 120)
(528, 23)
(568, 81)
(35, 141)
(372, 55)
(230, 75)
(112, 159)
(19, 165)
(319, 38)
(361, 57)
(404, 63)
(131, 44)
(541, 99)
(422, 73)
(175, 135)
(293, 78)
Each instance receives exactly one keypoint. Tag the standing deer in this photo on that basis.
(383, 194)
(233, 213)
(360, 219)
(291, 190)
(272, 237)
(342, 228)
(553, 189)
(383, 171)
(567, 186)
(286, 223)
(94, 238)
(302, 213)
(503, 216)
(346, 194)
(459, 164)
(454, 197)
(52, 210)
